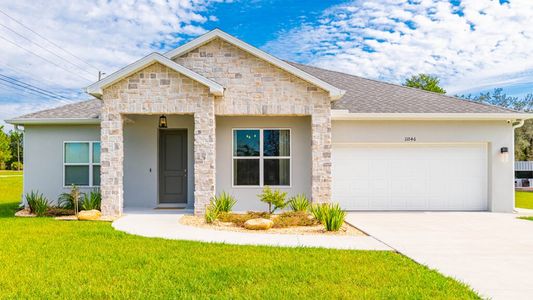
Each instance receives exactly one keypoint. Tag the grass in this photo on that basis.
(526, 218)
(524, 200)
(44, 258)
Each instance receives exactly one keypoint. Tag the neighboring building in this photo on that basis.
(238, 119)
(523, 173)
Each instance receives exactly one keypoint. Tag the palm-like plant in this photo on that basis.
(71, 200)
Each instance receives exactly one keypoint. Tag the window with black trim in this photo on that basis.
(262, 157)
(81, 163)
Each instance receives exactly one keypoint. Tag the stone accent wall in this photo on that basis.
(256, 87)
(252, 87)
(156, 90)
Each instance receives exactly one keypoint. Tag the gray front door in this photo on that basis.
(173, 166)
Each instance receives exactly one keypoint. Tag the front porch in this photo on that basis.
(159, 165)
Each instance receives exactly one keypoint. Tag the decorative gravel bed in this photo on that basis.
(346, 229)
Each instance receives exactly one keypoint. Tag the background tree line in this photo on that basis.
(523, 135)
(11, 150)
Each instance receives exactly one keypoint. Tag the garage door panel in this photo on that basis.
(410, 177)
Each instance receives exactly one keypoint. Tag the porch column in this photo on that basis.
(204, 158)
(111, 161)
(321, 155)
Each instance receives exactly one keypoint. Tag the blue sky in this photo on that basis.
(472, 45)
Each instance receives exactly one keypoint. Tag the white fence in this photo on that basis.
(523, 165)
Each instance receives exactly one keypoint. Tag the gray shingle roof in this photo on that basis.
(89, 109)
(362, 96)
(372, 96)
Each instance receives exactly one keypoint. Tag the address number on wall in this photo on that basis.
(409, 139)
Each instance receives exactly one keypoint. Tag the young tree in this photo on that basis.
(425, 82)
(16, 148)
(5, 152)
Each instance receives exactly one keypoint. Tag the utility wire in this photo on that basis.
(26, 91)
(49, 51)
(30, 89)
(13, 69)
(33, 87)
(44, 38)
(45, 59)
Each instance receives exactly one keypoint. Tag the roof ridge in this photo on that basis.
(407, 87)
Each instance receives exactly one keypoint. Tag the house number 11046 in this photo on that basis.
(410, 139)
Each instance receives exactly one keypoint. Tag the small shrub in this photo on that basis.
(293, 218)
(333, 217)
(37, 202)
(211, 214)
(274, 198)
(258, 214)
(299, 203)
(16, 166)
(318, 211)
(71, 200)
(240, 219)
(92, 201)
(224, 202)
(58, 212)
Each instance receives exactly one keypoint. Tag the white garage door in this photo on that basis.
(410, 177)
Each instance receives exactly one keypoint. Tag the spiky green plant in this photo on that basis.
(333, 217)
(319, 210)
(224, 202)
(211, 214)
(93, 200)
(299, 203)
(37, 203)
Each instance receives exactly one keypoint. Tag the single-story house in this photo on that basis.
(217, 114)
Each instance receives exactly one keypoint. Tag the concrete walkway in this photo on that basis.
(165, 225)
(491, 252)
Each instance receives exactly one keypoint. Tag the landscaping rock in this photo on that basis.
(24, 213)
(258, 224)
(89, 215)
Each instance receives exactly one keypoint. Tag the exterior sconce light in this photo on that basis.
(504, 154)
(163, 121)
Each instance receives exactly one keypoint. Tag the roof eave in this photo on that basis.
(53, 121)
(96, 89)
(334, 92)
(345, 115)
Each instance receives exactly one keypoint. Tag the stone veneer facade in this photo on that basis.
(252, 87)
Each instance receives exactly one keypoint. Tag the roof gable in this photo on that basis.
(334, 92)
(96, 89)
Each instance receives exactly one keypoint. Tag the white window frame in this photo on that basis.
(90, 164)
(261, 158)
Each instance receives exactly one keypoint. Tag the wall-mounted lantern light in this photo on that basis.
(504, 154)
(163, 121)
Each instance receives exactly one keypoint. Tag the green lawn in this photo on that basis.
(44, 258)
(524, 200)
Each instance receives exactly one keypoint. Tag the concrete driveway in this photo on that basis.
(491, 252)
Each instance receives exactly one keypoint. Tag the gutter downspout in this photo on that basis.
(516, 124)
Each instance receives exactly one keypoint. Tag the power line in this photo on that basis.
(44, 38)
(45, 59)
(30, 89)
(27, 91)
(13, 69)
(33, 87)
(49, 51)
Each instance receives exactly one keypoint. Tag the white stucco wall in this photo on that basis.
(43, 156)
(495, 134)
(141, 166)
(300, 155)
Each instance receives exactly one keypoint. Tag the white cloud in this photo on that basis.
(393, 39)
(105, 34)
